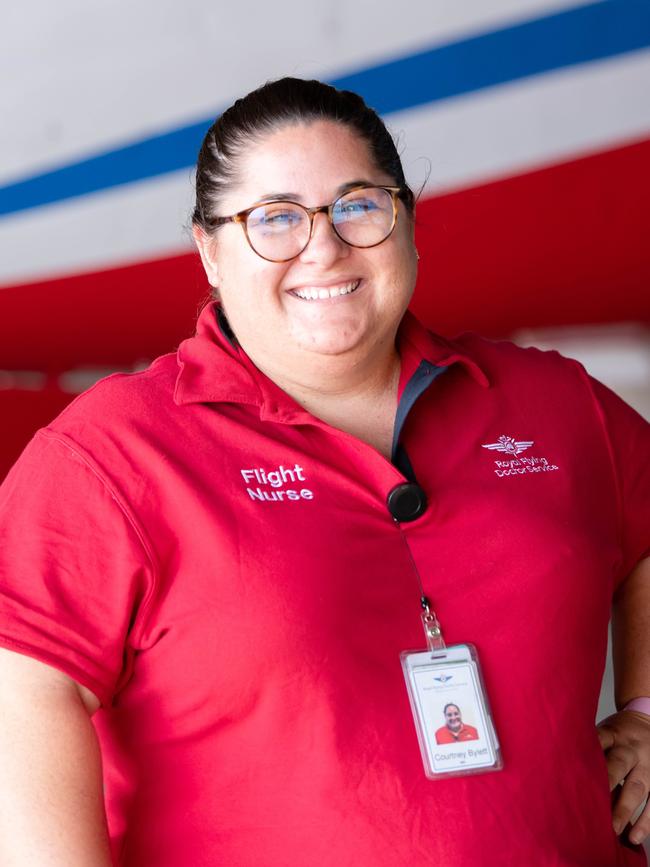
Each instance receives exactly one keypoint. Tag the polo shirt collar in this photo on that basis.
(416, 344)
(211, 368)
(215, 369)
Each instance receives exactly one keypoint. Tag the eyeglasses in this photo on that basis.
(280, 231)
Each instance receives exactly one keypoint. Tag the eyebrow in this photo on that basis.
(295, 197)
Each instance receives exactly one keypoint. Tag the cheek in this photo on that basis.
(401, 273)
(403, 258)
(248, 286)
(236, 271)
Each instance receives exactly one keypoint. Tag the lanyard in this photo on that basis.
(430, 622)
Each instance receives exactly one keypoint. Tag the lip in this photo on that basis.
(326, 284)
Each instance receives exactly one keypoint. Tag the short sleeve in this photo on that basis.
(628, 435)
(73, 569)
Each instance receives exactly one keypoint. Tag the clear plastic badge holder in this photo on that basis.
(450, 707)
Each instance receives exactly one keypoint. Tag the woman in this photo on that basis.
(221, 558)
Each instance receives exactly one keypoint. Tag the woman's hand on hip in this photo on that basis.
(625, 738)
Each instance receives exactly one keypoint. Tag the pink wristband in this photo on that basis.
(640, 704)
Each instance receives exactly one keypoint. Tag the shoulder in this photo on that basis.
(503, 360)
(532, 381)
(120, 400)
(115, 425)
(552, 379)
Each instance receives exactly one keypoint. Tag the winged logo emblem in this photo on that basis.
(509, 445)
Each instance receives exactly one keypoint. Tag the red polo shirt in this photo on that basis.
(444, 735)
(245, 645)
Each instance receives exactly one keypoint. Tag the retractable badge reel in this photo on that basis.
(450, 707)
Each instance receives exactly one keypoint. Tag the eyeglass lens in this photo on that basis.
(280, 230)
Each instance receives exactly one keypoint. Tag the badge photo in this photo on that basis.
(451, 713)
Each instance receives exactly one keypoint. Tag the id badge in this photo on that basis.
(451, 712)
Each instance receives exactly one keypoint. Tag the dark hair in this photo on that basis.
(450, 704)
(275, 104)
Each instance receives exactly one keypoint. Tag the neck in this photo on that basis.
(337, 379)
(359, 398)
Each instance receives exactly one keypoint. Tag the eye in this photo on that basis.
(275, 217)
(280, 218)
(353, 207)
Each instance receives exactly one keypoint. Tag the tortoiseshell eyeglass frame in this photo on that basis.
(241, 217)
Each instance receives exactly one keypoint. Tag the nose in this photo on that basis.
(324, 246)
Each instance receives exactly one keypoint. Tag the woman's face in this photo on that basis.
(271, 321)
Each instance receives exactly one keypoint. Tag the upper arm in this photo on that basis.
(628, 439)
(51, 798)
(25, 678)
(631, 634)
(73, 568)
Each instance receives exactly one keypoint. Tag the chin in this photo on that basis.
(327, 341)
(333, 345)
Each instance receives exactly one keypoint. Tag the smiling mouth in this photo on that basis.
(313, 293)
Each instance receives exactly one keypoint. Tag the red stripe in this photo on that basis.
(567, 244)
(106, 318)
(564, 245)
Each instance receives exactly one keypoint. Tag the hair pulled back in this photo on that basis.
(276, 104)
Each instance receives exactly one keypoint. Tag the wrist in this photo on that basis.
(641, 705)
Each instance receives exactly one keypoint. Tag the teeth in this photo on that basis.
(313, 294)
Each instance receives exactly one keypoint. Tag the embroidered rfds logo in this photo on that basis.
(509, 446)
(517, 466)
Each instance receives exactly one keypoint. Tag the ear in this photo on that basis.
(205, 245)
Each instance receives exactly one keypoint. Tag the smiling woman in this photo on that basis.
(229, 551)
(320, 317)
(315, 286)
(321, 323)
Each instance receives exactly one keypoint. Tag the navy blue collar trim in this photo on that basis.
(415, 387)
(224, 326)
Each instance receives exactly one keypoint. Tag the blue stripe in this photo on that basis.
(580, 35)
